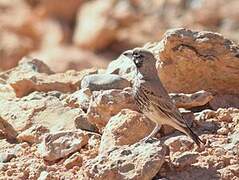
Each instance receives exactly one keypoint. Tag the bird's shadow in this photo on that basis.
(191, 173)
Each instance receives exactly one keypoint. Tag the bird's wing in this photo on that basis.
(163, 103)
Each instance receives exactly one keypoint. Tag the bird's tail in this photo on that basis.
(194, 136)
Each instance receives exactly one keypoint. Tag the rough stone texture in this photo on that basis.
(61, 144)
(191, 61)
(137, 161)
(105, 104)
(80, 98)
(33, 75)
(44, 109)
(81, 122)
(97, 82)
(7, 131)
(73, 160)
(6, 91)
(33, 134)
(188, 101)
(6, 157)
(125, 128)
(122, 66)
(179, 143)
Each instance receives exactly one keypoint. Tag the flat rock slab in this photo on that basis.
(96, 82)
(61, 144)
(137, 161)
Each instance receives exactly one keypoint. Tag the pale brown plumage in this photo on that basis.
(152, 98)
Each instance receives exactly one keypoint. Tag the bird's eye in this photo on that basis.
(136, 54)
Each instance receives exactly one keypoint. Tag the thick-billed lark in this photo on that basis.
(152, 98)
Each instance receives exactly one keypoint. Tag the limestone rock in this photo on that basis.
(81, 122)
(122, 66)
(105, 104)
(73, 160)
(7, 131)
(33, 75)
(44, 176)
(188, 101)
(233, 143)
(136, 161)
(39, 108)
(33, 134)
(125, 128)
(179, 143)
(80, 98)
(6, 157)
(61, 144)
(187, 61)
(97, 82)
(6, 91)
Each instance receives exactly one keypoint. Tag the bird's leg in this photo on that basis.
(153, 133)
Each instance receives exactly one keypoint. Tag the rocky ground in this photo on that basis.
(85, 124)
(57, 123)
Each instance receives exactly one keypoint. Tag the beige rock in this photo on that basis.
(7, 131)
(6, 91)
(196, 56)
(33, 75)
(137, 161)
(125, 128)
(224, 114)
(44, 176)
(80, 98)
(122, 66)
(95, 28)
(105, 104)
(179, 143)
(81, 122)
(73, 160)
(33, 134)
(97, 82)
(6, 157)
(181, 160)
(188, 101)
(61, 144)
(63, 57)
(230, 172)
(44, 109)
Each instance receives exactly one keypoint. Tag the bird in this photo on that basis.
(152, 98)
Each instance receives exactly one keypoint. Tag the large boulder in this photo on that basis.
(189, 61)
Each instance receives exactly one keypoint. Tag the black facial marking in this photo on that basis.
(138, 59)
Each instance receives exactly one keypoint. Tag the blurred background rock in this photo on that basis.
(78, 34)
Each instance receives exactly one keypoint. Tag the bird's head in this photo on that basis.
(144, 61)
